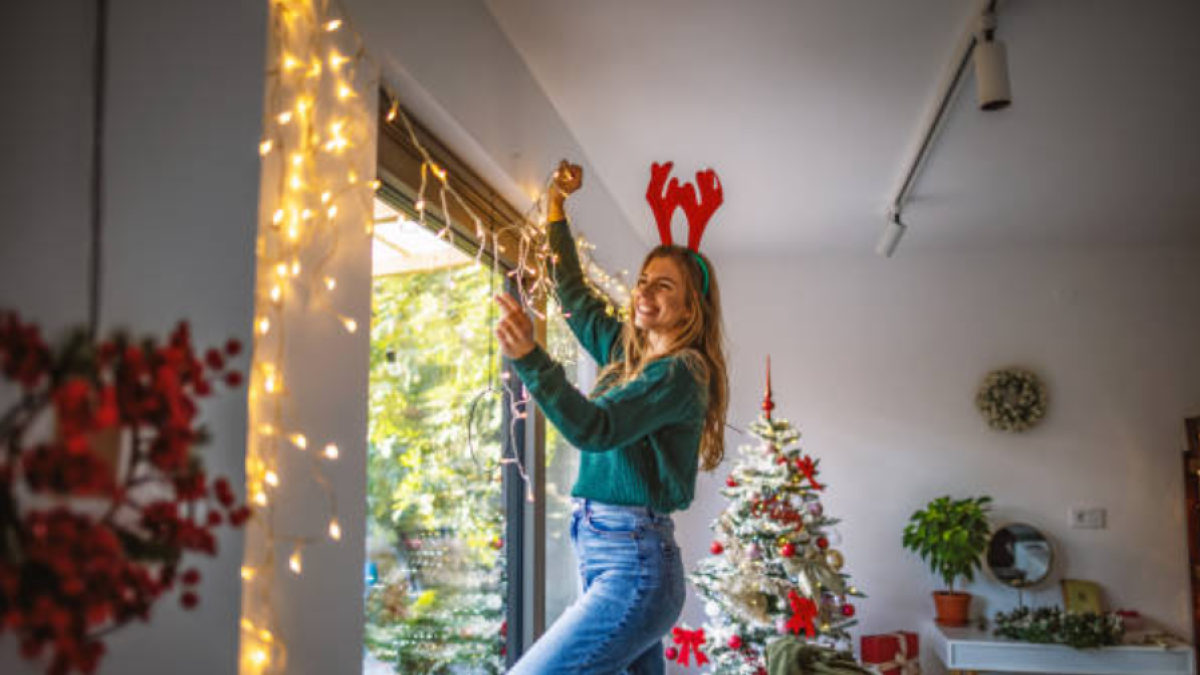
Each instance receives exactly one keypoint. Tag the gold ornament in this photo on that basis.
(834, 559)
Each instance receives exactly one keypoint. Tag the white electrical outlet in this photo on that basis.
(1088, 518)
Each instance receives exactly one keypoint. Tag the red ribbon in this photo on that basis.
(803, 611)
(808, 468)
(689, 640)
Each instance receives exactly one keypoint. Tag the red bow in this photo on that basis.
(803, 611)
(689, 640)
(808, 467)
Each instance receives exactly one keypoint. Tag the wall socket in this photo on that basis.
(1088, 518)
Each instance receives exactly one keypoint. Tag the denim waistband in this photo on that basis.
(583, 504)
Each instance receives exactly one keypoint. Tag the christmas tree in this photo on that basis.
(773, 569)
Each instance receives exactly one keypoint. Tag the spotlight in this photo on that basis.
(991, 66)
(890, 239)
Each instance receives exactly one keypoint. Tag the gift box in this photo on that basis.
(892, 653)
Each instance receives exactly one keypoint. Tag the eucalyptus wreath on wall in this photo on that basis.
(1012, 399)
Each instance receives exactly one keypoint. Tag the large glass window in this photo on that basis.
(436, 579)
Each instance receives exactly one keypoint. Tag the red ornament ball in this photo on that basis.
(189, 600)
(822, 543)
(731, 482)
(847, 610)
(716, 548)
(735, 642)
(671, 653)
(788, 550)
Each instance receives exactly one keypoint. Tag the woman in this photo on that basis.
(656, 416)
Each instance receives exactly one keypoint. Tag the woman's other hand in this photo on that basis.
(514, 330)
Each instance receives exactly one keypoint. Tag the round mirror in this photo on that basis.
(1018, 555)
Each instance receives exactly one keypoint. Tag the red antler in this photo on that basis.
(699, 213)
(662, 203)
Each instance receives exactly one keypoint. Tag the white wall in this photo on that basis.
(877, 361)
(184, 113)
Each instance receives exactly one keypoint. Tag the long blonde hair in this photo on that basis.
(700, 343)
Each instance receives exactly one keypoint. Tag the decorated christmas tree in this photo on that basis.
(774, 569)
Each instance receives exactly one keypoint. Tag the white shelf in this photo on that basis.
(973, 650)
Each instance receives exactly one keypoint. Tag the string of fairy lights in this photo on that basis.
(318, 165)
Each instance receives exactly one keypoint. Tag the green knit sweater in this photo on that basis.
(640, 441)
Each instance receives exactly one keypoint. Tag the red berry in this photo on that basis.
(731, 482)
(671, 653)
(788, 550)
(233, 379)
(716, 548)
(735, 642)
(233, 347)
(214, 360)
(847, 610)
(191, 577)
(189, 600)
(822, 543)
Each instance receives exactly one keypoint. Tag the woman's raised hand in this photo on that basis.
(567, 178)
(514, 330)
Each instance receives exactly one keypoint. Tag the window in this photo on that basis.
(436, 578)
(491, 569)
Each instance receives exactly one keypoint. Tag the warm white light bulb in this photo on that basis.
(264, 326)
(294, 562)
(272, 479)
(351, 325)
(335, 530)
(299, 441)
(331, 451)
(330, 283)
(333, 25)
(264, 147)
(285, 117)
(276, 294)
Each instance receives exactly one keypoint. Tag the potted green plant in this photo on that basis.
(950, 535)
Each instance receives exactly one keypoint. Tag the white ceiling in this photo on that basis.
(808, 110)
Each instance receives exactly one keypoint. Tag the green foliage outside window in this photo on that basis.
(434, 505)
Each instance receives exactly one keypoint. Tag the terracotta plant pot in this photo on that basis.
(953, 609)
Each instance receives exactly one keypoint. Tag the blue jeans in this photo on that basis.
(633, 592)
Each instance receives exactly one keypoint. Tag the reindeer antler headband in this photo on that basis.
(664, 202)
